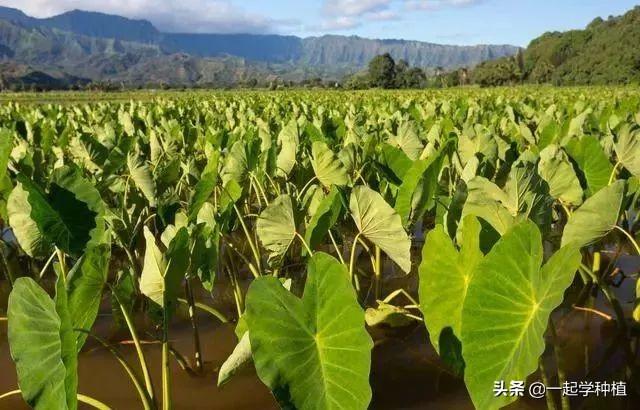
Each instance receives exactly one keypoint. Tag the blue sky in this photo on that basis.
(440, 21)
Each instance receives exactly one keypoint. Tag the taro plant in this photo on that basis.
(488, 217)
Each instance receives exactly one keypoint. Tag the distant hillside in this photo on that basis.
(605, 52)
(347, 52)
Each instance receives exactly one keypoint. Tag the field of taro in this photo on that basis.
(321, 250)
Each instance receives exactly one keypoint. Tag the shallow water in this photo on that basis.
(406, 371)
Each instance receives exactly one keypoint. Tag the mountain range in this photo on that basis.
(80, 47)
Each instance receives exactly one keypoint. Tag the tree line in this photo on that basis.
(384, 72)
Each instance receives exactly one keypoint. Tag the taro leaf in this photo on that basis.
(380, 224)
(230, 194)
(316, 347)
(204, 255)
(288, 139)
(507, 308)
(205, 186)
(69, 217)
(485, 200)
(85, 284)
(324, 218)
(123, 294)
(592, 162)
(70, 179)
(6, 145)
(628, 149)
(163, 272)
(525, 195)
(69, 343)
(42, 347)
(142, 178)
(445, 274)
(23, 225)
(242, 159)
(596, 217)
(276, 226)
(418, 188)
(327, 167)
(396, 160)
(240, 356)
(407, 140)
(477, 141)
(555, 168)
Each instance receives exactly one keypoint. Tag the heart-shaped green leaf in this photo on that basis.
(418, 188)
(69, 216)
(596, 217)
(407, 140)
(6, 145)
(324, 218)
(162, 272)
(43, 346)
(380, 224)
(507, 308)
(85, 283)
(288, 139)
(142, 178)
(445, 275)
(327, 167)
(592, 161)
(276, 226)
(628, 149)
(205, 186)
(316, 347)
(555, 168)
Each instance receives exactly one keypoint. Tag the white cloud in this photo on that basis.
(354, 8)
(350, 14)
(438, 4)
(215, 16)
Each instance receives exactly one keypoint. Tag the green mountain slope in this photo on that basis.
(348, 52)
(605, 52)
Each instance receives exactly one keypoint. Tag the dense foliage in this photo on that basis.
(322, 199)
(605, 52)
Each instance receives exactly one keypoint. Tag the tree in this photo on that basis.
(382, 71)
(414, 78)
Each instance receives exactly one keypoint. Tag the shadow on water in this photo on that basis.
(406, 371)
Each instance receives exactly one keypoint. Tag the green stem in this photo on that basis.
(551, 404)
(136, 342)
(614, 172)
(166, 370)
(335, 245)
(352, 257)
(259, 185)
(562, 377)
(144, 397)
(214, 312)
(10, 393)
(253, 247)
(304, 188)
(252, 268)
(378, 271)
(7, 269)
(197, 350)
(631, 239)
(305, 244)
(63, 265)
(47, 264)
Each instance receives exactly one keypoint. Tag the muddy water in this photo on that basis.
(406, 371)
